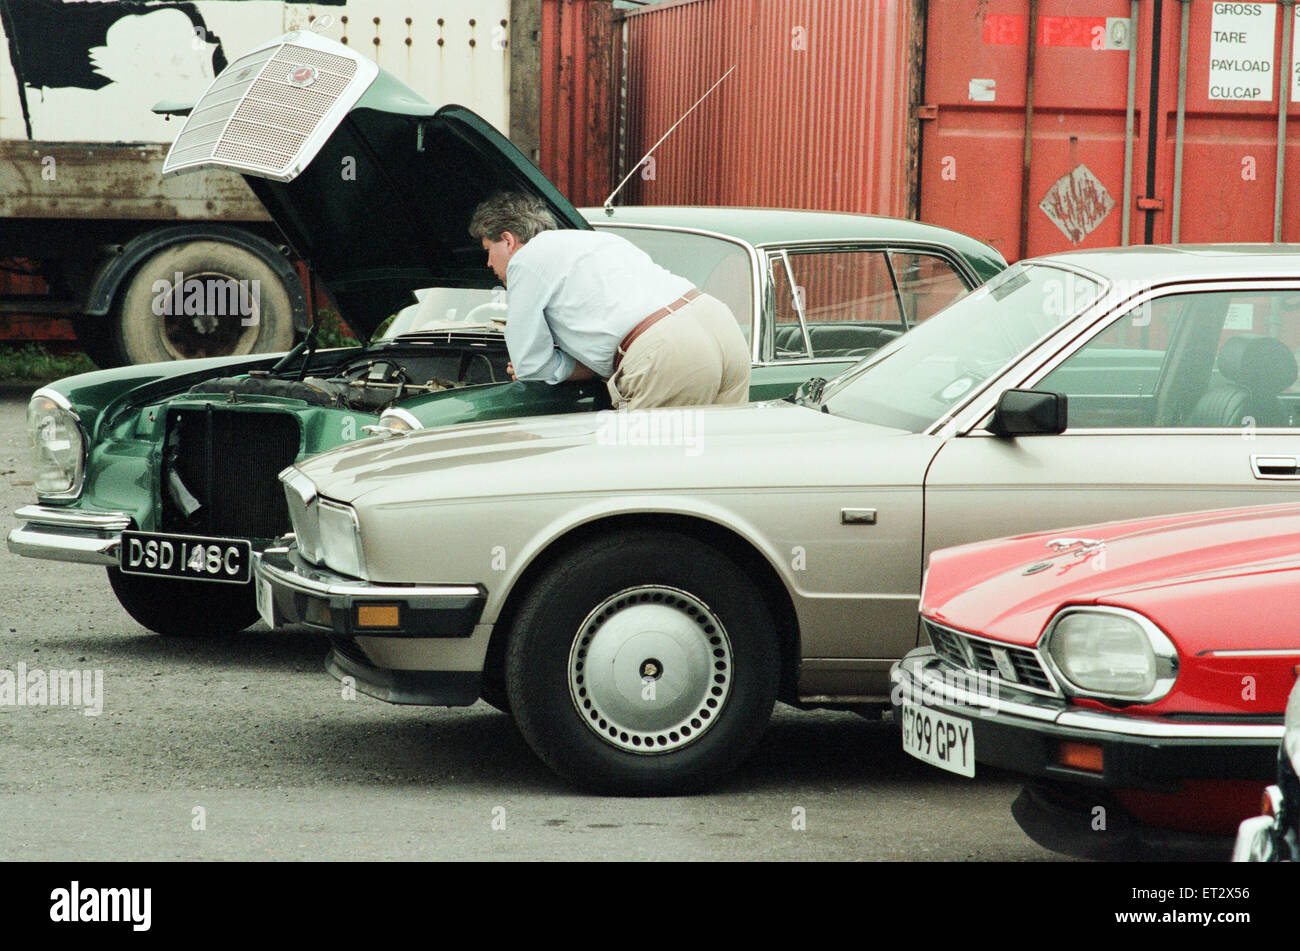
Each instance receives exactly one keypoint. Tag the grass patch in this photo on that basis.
(331, 331)
(33, 363)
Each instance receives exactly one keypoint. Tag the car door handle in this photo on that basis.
(857, 516)
(1275, 467)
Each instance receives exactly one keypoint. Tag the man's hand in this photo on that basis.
(510, 368)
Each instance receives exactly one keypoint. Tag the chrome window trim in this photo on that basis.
(755, 267)
(1161, 645)
(963, 269)
(772, 257)
(58, 399)
(1091, 324)
(1032, 649)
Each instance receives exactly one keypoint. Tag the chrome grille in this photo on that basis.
(253, 119)
(975, 653)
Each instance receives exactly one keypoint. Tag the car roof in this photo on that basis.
(784, 225)
(1162, 263)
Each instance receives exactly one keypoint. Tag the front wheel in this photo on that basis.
(181, 608)
(643, 665)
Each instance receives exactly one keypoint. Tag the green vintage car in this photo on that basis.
(166, 473)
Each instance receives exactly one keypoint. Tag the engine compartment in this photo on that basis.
(373, 381)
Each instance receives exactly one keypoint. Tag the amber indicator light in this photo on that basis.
(1086, 756)
(378, 615)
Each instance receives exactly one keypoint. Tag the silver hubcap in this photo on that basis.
(650, 669)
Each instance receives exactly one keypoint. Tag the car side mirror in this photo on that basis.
(1029, 413)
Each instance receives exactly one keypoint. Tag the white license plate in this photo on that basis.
(265, 603)
(938, 739)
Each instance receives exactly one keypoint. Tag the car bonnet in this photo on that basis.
(370, 184)
(1009, 588)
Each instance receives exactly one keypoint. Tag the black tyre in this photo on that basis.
(96, 338)
(180, 608)
(643, 665)
(152, 324)
(493, 692)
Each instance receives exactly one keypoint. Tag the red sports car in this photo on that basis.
(1135, 672)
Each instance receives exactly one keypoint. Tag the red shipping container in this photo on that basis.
(865, 106)
(815, 114)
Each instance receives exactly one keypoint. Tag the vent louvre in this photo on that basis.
(953, 647)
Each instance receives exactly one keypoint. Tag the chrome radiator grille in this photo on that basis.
(269, 111)
(976, 654)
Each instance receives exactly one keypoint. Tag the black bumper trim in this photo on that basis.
(429, 688)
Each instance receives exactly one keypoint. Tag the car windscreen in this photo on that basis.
(714, 265)
(448, 308)
(911, 382)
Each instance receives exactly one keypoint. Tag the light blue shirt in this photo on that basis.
(574, 295)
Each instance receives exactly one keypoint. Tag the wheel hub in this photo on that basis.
(650, 669)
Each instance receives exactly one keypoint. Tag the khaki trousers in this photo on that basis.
(695, 356)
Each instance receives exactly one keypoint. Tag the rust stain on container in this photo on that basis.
(577, 103)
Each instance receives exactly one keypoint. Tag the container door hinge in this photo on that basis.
(1151, 204)
(927, 112)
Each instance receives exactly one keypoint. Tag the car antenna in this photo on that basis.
(609, 202)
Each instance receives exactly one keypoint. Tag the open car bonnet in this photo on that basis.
(370, 184)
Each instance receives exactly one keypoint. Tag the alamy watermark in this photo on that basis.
(652, 427)
(208, 297)
(77, 689)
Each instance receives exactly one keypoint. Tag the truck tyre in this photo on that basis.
(643, 665)
(210, 318)
(182, 608)
(96, 338)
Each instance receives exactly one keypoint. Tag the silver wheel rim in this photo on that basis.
(650, 669)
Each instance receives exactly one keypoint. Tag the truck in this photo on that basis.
(96, 245)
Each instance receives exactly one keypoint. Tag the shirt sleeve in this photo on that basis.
(528, 337)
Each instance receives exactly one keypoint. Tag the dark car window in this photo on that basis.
(1223, 359)
(926, 282)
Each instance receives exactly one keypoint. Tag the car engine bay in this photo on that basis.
(373, 381)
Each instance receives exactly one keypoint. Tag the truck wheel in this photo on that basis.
(179, 608)
(211, 316)
(96, 338)
(643, 665)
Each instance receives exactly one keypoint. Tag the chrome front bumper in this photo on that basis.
(1023, 732)
(64, 534)
(920, 678)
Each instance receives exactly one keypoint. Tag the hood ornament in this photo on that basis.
(301, 77)
(1082, 549)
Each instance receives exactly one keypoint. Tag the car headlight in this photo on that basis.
(398, 420)
(300, 493)
(57, 444)
(340, 538)
(1113, 653)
